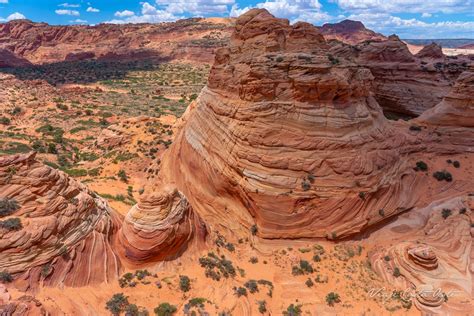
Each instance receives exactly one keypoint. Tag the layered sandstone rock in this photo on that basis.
(432, 254)
(66, 231)
(350, 32)
(161, 227)
(404, 83)
(193, 39)
(432, 51)
(457, 108)
(290, 139)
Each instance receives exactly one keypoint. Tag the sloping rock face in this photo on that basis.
(457, 108)
(161, 227)
(9, 59)
(191, 39)
(404, 83)
(433, 51)
(58, 232)
(287, 139)
(350, 32)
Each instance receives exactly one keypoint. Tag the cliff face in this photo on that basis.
(54, 231)
(291, 140)
(193, 39)
(9, 59)
(457, 108)
(404, 83)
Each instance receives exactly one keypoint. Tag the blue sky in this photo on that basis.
(407, 18)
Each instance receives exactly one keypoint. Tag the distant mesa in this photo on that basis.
(350, 32)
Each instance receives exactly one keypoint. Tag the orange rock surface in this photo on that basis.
(161, 227)
(66, 232)
(285, 139)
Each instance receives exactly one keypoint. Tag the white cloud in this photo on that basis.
(413, 28)
(407, 6)
(15, 16)
(426, 15)
(67, 12)
(78, 21)
(91, 9)
(197, 7)
(294, 10)
(124, 13)
(3, 1)
(149, 14)
(69, 5)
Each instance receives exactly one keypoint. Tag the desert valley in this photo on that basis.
(234, 166)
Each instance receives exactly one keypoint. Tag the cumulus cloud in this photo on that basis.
(407, 6)
(299, 10)
(3, 1)
(91, 9)
(69, 5)
(413, 28)
(15, 16)
(78, 21)
(124, 13)
(426, 15)
(67, 12)
(197, 7)
(149, 14)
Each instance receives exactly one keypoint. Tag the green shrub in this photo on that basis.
(421, 166)
(252, 286)
(304, 268)
(8, 206)
(396, 272)
(46, 270)
(293, 310)
(5, 277)
(117, 304)
(122, 175)
(446, 212)
(332, 298)
(217, 266)
(254, 230)
(240, 291)
(4, 120)
(262, 307)
(443, 175)
(309, 283)
(456, 164)
(184, 283)
(11, 224)
(165, 309)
